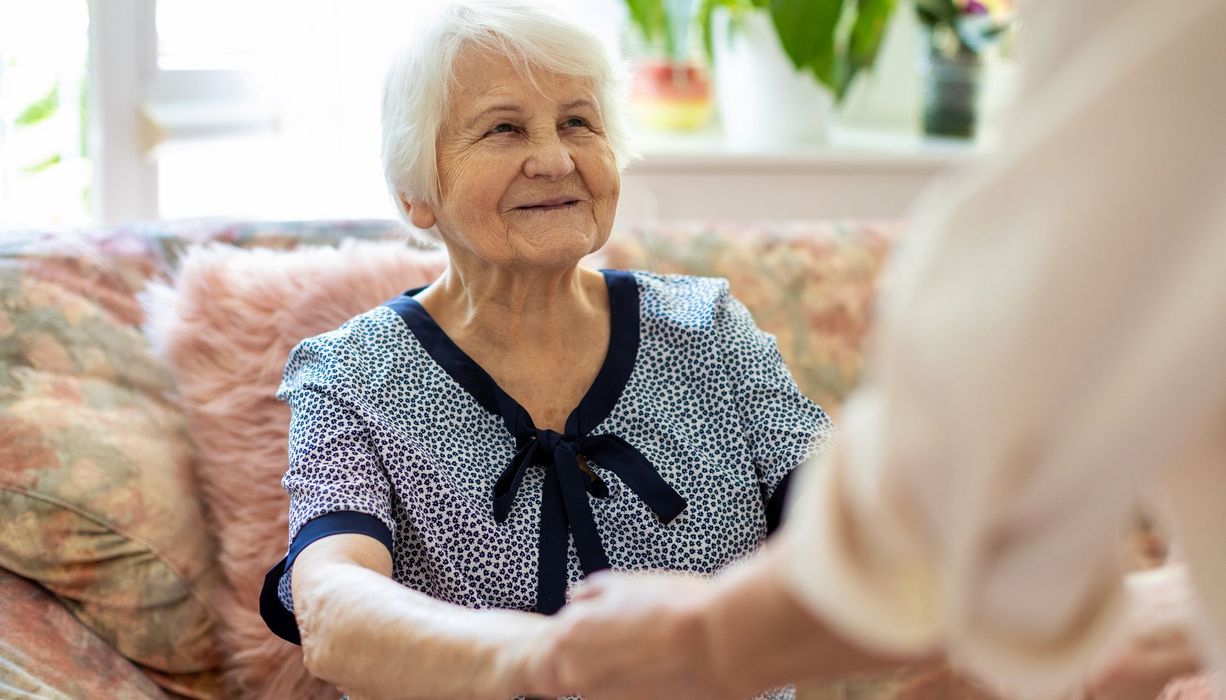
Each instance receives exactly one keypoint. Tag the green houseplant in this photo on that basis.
(671, 90)
(832, 40)
(664, 25)
(827, 42)
(958, 34)
(782, 66)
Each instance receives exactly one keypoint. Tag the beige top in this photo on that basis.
(1052, 345)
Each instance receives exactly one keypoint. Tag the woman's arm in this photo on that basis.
(668, 636)
(378, 639)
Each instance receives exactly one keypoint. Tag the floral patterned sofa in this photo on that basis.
(109, 569)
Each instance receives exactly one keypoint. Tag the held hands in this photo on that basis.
(639, 636)
(1155, 645)
(631, 636)
(645, 636)
(623, 636)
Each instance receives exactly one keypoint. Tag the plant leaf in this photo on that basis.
(648, 17)
(872, 17)
(936, 11)
(52, 161)
(828, 68)
(806, 28)
(40, 110)
(704, 21)
(867, 33)
(707, 8)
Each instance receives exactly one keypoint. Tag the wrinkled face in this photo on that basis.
(526, 174)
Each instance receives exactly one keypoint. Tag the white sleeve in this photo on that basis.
(1053, 331)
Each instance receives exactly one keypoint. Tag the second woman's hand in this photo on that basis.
(637, 636)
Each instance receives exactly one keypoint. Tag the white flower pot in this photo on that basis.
(764, 102)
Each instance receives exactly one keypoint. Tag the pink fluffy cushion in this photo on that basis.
(225, 327)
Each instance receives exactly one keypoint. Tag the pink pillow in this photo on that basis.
(810, 284)
(44, 652)
(98, 496)
(225, 328)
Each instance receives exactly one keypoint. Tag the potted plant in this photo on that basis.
(670, 89)
(958, 33)
(781, 66)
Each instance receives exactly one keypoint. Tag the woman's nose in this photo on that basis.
(550, 158)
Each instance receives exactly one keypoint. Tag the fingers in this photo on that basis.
(1156, 643)
(630, 636)
(591, 587)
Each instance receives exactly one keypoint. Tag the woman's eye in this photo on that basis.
(574, 122)
(502, 129)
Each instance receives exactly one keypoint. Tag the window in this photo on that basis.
(44, 170)
(250, 108)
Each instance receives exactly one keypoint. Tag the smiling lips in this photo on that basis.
(551, 204)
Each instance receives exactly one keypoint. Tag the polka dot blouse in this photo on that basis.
(690, 432)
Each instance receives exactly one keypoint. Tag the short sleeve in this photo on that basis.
(335, 480)
(781, 425)
(333, 465)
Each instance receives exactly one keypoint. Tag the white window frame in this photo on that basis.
(136, 105)
(122, 52)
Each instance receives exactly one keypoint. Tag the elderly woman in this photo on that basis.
(463, 453)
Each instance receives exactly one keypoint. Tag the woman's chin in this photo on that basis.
(557, 246)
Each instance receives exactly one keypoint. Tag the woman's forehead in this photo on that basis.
(483, 76)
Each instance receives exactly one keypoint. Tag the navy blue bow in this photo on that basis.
(564, 503)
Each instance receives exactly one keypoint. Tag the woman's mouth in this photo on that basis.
(554, 204)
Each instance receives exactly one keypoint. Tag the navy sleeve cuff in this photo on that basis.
(775, 506)
(280, 620)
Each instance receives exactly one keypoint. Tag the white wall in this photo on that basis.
(287, 126)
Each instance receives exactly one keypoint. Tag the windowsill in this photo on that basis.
(847, 150)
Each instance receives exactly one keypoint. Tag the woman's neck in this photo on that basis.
(503, 306)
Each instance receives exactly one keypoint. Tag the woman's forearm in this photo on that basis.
(375, 638)
(759, 632)
(671, 636)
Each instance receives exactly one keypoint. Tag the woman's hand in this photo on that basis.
(677, 637)
(1157, 645)
(632, 636)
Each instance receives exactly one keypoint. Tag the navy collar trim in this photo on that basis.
(596, 404)
(565, 505)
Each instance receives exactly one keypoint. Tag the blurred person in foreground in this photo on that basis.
(1051, 350)
(463, 453)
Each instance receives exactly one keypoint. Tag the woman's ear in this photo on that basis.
(420, 214)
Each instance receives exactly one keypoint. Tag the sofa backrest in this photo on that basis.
(810, 284)
(98, 486)
(104, 484)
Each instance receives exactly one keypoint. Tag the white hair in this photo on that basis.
(532, 35)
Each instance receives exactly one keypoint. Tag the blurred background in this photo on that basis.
(121, 110)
